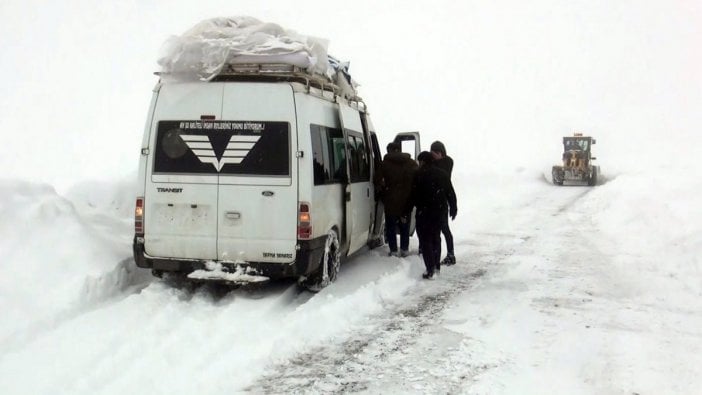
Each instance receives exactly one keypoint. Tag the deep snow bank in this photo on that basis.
(56, 257)
(653, 221)
(114, 197)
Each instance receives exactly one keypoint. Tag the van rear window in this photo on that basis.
(258, 148)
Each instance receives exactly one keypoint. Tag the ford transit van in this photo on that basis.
(263, 172)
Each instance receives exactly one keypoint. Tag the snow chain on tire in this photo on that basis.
(329, 265)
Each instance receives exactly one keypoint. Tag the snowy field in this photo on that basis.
(572, 290)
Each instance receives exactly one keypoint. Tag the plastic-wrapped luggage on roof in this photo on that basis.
(201, 52)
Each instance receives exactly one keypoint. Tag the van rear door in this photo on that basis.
(181, 191)
(257, 217)
(410, 145)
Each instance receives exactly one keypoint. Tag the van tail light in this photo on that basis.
(139, 216)
(304, 223)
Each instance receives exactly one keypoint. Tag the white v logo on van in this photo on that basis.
(237, 149)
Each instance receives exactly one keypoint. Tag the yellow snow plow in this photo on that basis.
(577, 165)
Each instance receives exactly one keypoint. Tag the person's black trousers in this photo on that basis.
(448, 236)
(391, 224)
(430, 239)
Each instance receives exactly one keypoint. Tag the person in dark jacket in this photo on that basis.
(397, 170)
(433, 195)
(443, 161)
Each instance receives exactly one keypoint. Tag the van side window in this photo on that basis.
(338, 150)
(363, 159)
(359, 159)
(328, 156)
(353, 159)
(320, 165)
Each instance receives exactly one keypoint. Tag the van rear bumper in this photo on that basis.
(307, 258)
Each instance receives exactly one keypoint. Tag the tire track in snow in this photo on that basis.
(572, 201)
(356, 363)
(378, 353)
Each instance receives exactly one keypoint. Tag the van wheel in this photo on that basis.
(328, 266)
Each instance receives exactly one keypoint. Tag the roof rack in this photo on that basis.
(275, 72)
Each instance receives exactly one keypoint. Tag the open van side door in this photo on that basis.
(376, 236)
(358, 199)
(379, 218)
(410, 144)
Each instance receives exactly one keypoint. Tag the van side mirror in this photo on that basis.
(594, 141)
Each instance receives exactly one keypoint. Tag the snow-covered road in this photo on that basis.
(411, 347)
(550, 295)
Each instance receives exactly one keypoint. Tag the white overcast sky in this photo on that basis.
(499, 81)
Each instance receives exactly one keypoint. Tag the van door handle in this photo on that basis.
(233, 214)
(348, 196)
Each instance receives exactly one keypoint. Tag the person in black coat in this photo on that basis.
(435, 199)
(397, 172)
(443, 161)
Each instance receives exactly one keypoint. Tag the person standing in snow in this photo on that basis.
(444, 162)
(433, 195)
(397, 170)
